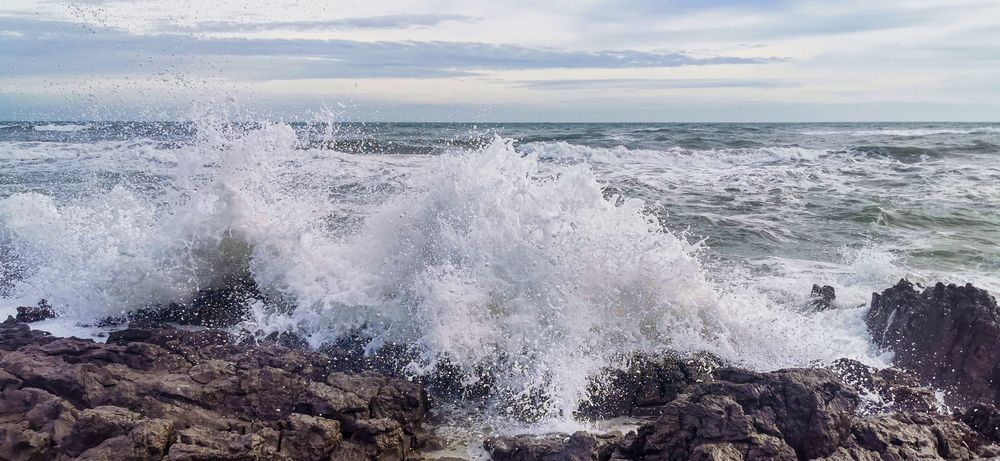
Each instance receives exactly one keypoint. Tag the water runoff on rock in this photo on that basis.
(533, 254)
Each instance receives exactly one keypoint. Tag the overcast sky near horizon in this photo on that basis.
(558, 60)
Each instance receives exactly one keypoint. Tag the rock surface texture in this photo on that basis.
(159, 393)
(947, 335)
(794, 414)
(152, 394)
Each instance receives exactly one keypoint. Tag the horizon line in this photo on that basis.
(428, 122)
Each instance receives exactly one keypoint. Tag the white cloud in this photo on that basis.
(900, 54)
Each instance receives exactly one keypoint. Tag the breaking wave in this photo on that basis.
(481, 257)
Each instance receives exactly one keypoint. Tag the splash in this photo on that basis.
(482, 258)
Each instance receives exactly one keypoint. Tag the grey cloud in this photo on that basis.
(399, 21)
(652, 84)
(61, 48)
(780, 22)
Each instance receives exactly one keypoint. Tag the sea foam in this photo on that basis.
(484, 258)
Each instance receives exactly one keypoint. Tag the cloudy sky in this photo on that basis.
(514, 60)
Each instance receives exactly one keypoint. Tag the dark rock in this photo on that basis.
(645, 385)
(822, 297)
(220, 307)
(947, 335)
(792, 415)
(984, 419)
(212, 308)
(911, 436)
(887, 390)
(154, 394)
(788, 414)
(580, 446)
(28, 314)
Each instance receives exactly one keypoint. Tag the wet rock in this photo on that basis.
(792, 415)
(984, 419)
(782, 415)
(911, 436)
(212, 308)
(645, 385)
(180, 394)
(28, 314)
(947, 335)
(886, 390)
(579, 446)
(822, 297)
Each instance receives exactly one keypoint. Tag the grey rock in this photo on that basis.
(822, 297)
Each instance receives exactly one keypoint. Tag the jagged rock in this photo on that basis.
(822, 297)
(28, 314)
(645, 385)
(886, 390)
(911, 436)
(580, 446)
(153, 394)
(792, 415)
(782, 415)
(310, 437)
(946, 335)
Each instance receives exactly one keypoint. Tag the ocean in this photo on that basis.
(543, 252)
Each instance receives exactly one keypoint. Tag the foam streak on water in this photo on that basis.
(541, 261)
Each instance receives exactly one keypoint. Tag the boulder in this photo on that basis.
(947, 335)
(822, 297)
(645, 384)
(28, 314)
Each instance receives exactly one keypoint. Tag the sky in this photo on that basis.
(506, 61)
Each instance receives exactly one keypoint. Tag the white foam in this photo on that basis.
(485, 257)
(69, 127)
(491, 255)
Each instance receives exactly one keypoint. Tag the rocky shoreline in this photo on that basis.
(155, 392)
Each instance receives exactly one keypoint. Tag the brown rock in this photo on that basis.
(28, 314)
(310, 437)
(155, 394)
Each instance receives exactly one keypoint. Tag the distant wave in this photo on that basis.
(703, 157)
(906, 132)
(65, 128)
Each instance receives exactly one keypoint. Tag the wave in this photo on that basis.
(731, 156)
(902, 153)
(905, 132)
(67, 127)
(489, 257)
